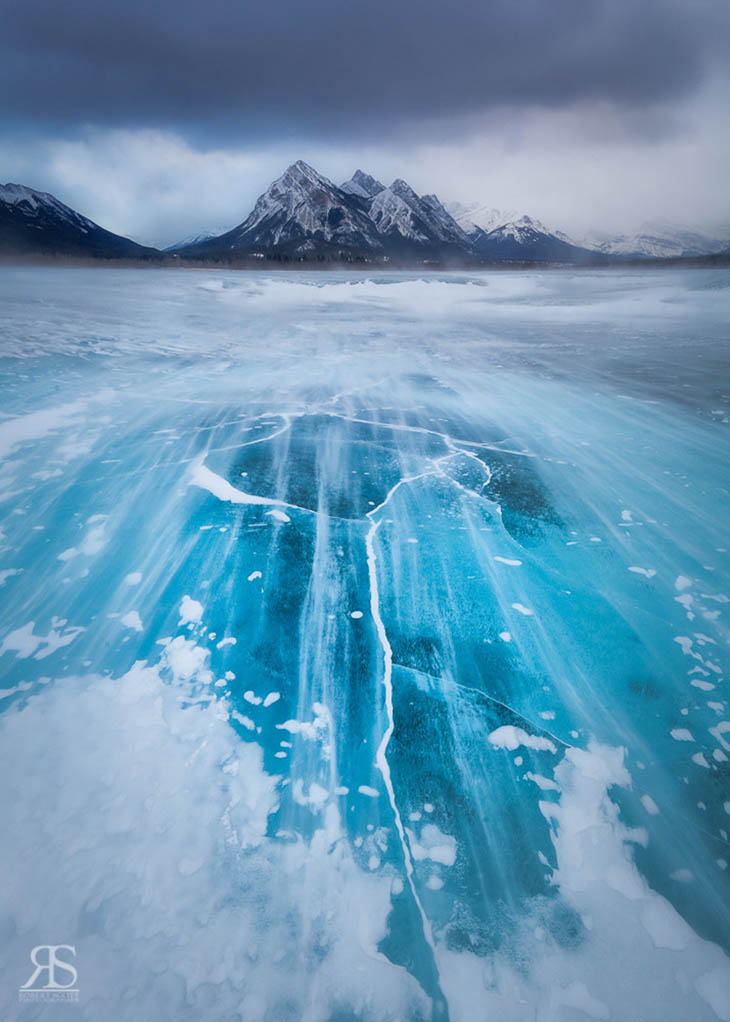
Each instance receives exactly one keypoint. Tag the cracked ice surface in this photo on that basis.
(364, 644)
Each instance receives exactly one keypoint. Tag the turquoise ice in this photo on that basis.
(364, 643)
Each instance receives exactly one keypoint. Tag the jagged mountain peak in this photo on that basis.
(299, 211)
(529, 230)
(451, 232)
(393, 216)
(404, 191)
(299, 184)
(363, 185)
(521, 224)
(301, 173)
(399, 212)
(297, 180)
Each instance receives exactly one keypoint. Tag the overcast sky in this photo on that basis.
(161, 119)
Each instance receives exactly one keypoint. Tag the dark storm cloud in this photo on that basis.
(329, 66)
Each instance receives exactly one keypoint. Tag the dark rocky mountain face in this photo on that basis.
(36, 223)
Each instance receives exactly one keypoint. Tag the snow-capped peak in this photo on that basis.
(303, 204)
(12, 193)
(526, 228)
(363, 185)
(404, 191)
(302, 175)
(35, 203)
(392, 215)
(520, 226)
(399, 210)
(299, 184)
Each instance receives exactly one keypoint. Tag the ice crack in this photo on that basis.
(381, 758)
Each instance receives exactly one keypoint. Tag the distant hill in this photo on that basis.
(658, 240)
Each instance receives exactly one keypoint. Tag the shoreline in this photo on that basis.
(718, 261)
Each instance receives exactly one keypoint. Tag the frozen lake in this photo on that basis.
(364, 644)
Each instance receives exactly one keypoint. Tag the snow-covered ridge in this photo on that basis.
(35, 203)
(398, 211)
(659, 240)
(363, 185)
(519, 228)
(391, 214)
(472, 215)
(476, 218)
(653, 239)
(12, 193)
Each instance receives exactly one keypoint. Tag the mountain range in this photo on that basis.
(657, 240)
(302, 217)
